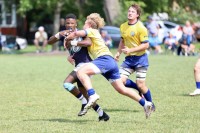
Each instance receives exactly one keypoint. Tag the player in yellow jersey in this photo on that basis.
(133, 44)
(103, 63)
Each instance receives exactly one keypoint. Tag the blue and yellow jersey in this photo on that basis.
(134, 35)
(98, 47)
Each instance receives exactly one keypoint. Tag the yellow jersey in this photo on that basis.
(134, 35)
(98, 47)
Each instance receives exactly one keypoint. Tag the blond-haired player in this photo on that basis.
(103, 63)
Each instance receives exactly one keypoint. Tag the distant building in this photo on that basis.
(10, 22)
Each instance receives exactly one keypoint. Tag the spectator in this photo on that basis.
(61, 28)
(107, 38)
(160, 33)
(185, 48)
(171, 42)
(40, 39)
(154, 41)
(188, 33)
(2, 41)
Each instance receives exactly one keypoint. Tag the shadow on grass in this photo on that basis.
(120, 110)
(187, 95)
(60, 120)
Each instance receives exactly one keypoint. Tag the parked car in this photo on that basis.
(114, 33)
(166, 26)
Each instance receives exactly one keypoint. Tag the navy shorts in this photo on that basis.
(134, 62)
(108, 67)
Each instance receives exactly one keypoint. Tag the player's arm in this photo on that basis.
(81, 33)
(119, 50)
(76, 34)
(57, 36)
(142, 47)
(85, 43)
(52, 40)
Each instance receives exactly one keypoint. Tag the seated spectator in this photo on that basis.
(185, 48)
(107, 38)
(171, 42)
(188, 33)
(40, 40)
(2, 41)
(153, 29)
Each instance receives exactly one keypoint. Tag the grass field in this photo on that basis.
(32, 99)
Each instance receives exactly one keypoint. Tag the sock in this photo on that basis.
(142, 101)
(198, 85)
(98, 109)
(131, 84)
(147, 96)
(82, 98)
(91, 92)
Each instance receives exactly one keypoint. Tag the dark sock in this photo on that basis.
(147, 96)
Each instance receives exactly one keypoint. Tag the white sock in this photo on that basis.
(100, 111)
(83, 99)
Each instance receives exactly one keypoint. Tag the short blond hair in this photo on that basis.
(95, 20)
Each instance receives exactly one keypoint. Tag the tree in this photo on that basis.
(112, 10)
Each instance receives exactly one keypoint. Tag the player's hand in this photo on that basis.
(71, 36)
(65, 33)
(116, 57)
(74, 42)
(71, 60)
(66, 43)
(126, 50)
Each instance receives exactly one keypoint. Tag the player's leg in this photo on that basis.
(140, 81)
(102, 114)
(84, 74)
(197, 78)
(69, 86)
(119, 87)
(124, 74)
(126, 69)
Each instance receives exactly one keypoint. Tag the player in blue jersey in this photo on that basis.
(77, 57)
(134, 44)
(103, 63)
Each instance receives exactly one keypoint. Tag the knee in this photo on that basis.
(35, 42)
(120, 91)
(197, 69)
(68, 86)
(140, 84)
(79, 73)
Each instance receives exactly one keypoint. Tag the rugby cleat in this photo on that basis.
(92, 99)
(196, 92)
(81, 113)
(148, 108)
(104, 117)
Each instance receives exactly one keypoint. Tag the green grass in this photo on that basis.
(32, 99)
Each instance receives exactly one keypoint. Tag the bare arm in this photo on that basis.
(119, 50)
(80, 33)
(56, 37)
(85, 43)
(52, 40)
(141, 47)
